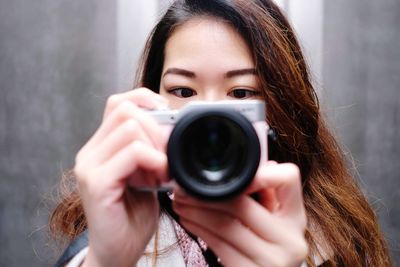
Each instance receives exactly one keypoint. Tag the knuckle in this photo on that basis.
(130, 127)
(112, 101)
(83, 173)
(136, 146)
(88, 183)
(125, 110)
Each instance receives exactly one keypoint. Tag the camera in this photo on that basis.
(214, 148)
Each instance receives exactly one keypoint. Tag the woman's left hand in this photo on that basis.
(245, 232)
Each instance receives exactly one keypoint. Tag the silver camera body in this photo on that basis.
(214, 148)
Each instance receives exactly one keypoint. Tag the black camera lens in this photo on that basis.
(214, 147)
(213, 154)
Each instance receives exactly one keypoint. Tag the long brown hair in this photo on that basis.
(342, 222)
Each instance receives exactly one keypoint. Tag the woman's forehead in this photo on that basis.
(207, 40)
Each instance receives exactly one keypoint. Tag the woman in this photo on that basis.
(310, 210)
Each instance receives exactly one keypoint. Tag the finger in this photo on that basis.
(125, 111)
(156, 132)
(145, 179)
(134, 157)
(142, 97)
(226, 228)
(255, 186)
(252, 214)
(125, 134)
(286, 180)
(228, 255)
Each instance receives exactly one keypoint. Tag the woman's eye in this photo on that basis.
(182, 92)
(243, 93)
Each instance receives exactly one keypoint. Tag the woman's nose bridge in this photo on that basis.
(212, 94)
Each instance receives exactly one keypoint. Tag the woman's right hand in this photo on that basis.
(127, 149)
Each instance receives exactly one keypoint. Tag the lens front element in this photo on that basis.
(213, 154)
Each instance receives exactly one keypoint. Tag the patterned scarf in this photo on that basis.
(191, 250)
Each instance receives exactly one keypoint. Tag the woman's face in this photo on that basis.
(206, 59)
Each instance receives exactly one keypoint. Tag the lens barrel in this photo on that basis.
(213, 154)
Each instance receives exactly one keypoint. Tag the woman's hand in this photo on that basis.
(244, 232)
(127, 148)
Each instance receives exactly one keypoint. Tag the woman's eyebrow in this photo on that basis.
(182, 72)
(229, 74)
(240, 72)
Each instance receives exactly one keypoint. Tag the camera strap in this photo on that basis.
(79, 243)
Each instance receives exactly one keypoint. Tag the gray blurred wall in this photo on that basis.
(57, 66)
(361, 93)
(59, 60)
